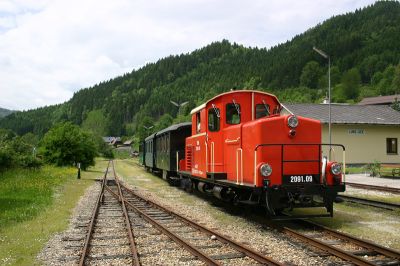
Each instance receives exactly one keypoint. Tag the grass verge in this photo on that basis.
(35, 205)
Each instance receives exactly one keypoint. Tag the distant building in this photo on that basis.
(380, 100)
(110, 140)
(369, 132)
(128, 143)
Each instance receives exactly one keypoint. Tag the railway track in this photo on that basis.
(371, 187)
(141, 230)
(109, 223)
(333, 243)
(372, 203)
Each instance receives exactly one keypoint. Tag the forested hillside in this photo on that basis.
(363, 45)
(4, 112)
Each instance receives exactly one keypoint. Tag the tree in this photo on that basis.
(310, 75)
(95, 122)
(351, 83)
(396, 80)
(164, 122)
(396, 105)
(67, 144)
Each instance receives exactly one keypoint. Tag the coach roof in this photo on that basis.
(175, 127)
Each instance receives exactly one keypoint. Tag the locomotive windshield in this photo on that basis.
(213, 118)
(262, 110)
(233, 113)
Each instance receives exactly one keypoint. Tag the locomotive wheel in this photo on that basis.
(187, 184)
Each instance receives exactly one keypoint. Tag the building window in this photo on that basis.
(262, 110)
(233, 113)
(391, 145)
(213, 119)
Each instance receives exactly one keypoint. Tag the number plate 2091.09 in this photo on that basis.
(296, 179)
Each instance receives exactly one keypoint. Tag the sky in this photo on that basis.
(50, 49)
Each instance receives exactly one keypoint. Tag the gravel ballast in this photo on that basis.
(63, 248)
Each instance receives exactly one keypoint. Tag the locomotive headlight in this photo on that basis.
(336, 169)
(265, 170)
(292, 121)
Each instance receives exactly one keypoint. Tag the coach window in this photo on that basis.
(213, 119)
(198, 123)
(262, 110)
(391, 145)
(167, 140)
(232, 113)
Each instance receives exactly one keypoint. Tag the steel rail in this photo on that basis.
(251, 253)
(388, 252)
(369, 202)
(134, 252)
(193, 250)
(95, 212)
(372, 187)
(328, 248)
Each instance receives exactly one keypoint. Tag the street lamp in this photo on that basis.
(324, 55)
(148, 128)
(179, 105)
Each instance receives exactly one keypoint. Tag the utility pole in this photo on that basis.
(326, 56)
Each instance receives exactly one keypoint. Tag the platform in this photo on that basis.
(375, 181)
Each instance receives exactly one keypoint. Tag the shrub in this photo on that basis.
(67, 144)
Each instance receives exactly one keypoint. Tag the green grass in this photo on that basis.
(355, 170)
(36, 204)
(121, 154)
(373, 195)
(24, 193)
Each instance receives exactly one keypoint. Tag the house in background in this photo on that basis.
(112, 140)
(369, 132)
(380, 100)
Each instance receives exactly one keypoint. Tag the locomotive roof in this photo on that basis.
(175, 127)
(198, 108)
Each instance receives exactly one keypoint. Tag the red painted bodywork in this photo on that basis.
(233, 149)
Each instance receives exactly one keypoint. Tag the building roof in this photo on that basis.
(389, 99)
(348, 114)
(111, 139)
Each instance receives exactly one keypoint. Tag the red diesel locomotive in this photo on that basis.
(246, 147)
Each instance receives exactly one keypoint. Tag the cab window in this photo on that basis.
(213, 119)
(198, 123)
(232, 113)
(262, 110)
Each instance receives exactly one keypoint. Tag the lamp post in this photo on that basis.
(148, 128)
(326, 56)
(179, 105)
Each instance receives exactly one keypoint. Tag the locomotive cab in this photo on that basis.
(247, 147)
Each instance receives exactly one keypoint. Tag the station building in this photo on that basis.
(369, 132)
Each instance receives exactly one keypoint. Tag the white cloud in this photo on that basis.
(51, 48)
